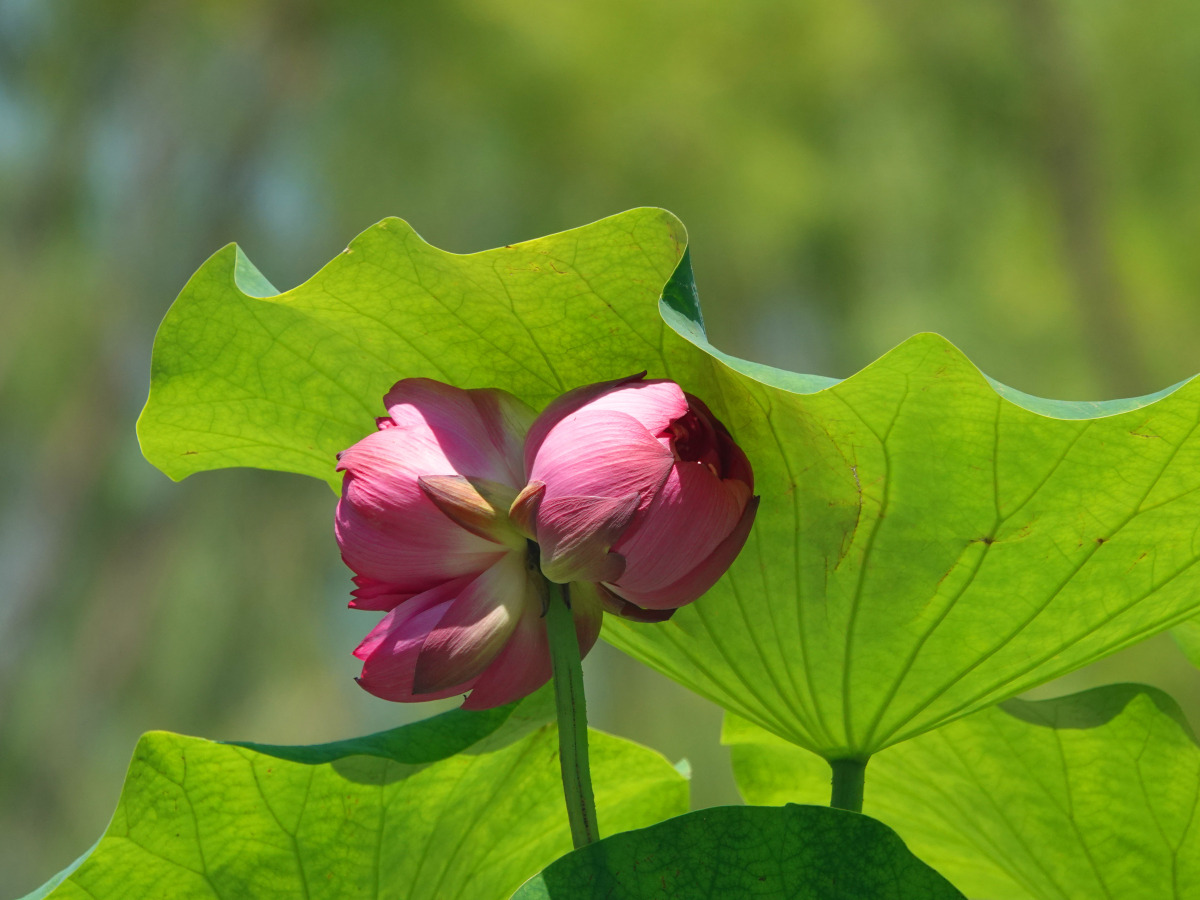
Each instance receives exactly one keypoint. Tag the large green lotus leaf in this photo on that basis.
(797, 852)
(1087, 796)
(245, 376)
(464, 805)
(929, 542)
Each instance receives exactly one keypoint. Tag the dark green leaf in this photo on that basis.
(730, 852)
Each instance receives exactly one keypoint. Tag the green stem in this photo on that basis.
(572, 718)
(848, 778)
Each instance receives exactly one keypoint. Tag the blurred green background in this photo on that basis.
(1022, 176)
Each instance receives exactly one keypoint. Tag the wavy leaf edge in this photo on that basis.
(680, 309)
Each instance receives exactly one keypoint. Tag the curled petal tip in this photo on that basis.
(473, 503)
(619, 606)
(522, 513)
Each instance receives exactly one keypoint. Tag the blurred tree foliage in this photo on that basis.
(1022, 176)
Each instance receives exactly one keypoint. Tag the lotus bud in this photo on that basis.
(635, 486)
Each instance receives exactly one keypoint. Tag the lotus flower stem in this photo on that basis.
(572, 718)
(848, 778)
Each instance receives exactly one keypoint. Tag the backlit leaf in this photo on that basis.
(929, 542)
(1092, 795)
(463, 805)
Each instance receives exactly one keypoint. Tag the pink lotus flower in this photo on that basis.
(423, 522)
(636, 487)
(636, 495)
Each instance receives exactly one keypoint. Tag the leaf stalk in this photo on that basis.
(849, 777)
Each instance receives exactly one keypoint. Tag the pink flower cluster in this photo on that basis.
(629, 491)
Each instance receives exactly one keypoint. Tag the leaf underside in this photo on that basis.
(1092, 795)
(463, 805)
(798, 852)
(929, 542)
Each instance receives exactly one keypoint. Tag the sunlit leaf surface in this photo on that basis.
(929, 542)
(1083, 797)
(464, 805)
(798, 852)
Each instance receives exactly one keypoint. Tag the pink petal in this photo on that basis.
(414, 448)
(524, 664)
(370, 594)
(404, 554)
(577, 535)
(390, 652)
(734, 463)
(388, 529)
(476, 625)
(480, 432)
(522, 667)
(566, 404)
(688, 518)
(601, 454)
(699, 579)
(654, 404)
(507, 420)
(441, 596)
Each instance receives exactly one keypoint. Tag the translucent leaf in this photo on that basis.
(463, 805)
(798, 852)
(929, 542)
(1092, 795)
(245, 376)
